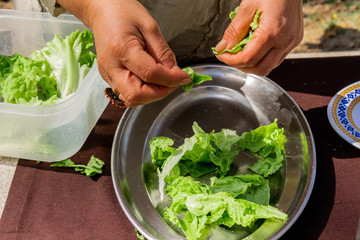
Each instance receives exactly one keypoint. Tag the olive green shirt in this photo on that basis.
(191, 27)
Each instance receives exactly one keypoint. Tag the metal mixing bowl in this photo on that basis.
(231, 100)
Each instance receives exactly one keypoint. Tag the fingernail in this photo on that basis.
(185, 81)
(221, 46)
(176, 67)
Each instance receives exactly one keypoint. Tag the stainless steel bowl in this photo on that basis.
(231, 100)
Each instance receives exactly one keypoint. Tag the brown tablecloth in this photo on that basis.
(58, 203)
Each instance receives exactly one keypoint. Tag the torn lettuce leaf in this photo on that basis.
(172, 161)
(206, 152)
(70, 59)
(26, 81)
(269, 143)
(240, 46)
(93, 167)
(195, 207)
(215, 149)
(160, 149)
(237, 201)
(241, 211)
(251, 187)
(191, 225)
(180, 188)
(196, 79)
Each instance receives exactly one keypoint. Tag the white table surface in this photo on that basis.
(7, 170)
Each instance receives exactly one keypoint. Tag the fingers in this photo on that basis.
(237, 29)
(148, 56)
(132, 90)
(156, 45)
(279, 31)
(253, 52)
(272, 59)
(144, 66)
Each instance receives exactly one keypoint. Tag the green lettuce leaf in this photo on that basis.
(243, 212)
(69, 59)
(251, 187)
(196, 79)
(93, 167)
(172, 161)
(50, 74)
(160, 148)
(182, 187)
(240, 46)
(191, 225)
(139, 235)
(216, 149)
(238, 200)
(26, 81)
(196, 169)
(204, 205)
(269, 143)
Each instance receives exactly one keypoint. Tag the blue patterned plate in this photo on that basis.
(344, 113)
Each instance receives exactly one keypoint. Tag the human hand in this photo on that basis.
(279, 31)
(132, 55)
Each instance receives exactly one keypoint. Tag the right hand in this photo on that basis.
(133, 56)
(280, 30)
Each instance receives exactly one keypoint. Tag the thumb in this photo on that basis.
(237, 29)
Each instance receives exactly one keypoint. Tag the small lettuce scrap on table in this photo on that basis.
(229, 200)
(240, 46)
(93, 167)
(196, 79)
(49, 74)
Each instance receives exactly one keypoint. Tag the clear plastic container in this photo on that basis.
(55, 132)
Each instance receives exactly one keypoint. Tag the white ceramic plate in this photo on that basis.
(344, 113)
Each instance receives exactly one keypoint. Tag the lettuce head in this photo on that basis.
(50, 74)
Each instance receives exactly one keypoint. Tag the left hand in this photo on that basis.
(280, 30)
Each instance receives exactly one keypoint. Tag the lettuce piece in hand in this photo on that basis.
(26, 81)
(269, 143)
(233, 13)
(69, 59)
(240, 46)
(196, 79)
(93, 167)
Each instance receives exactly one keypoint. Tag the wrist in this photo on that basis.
(82, 9)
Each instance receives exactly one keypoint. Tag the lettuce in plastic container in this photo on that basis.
(50, 74)
(25, 81)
